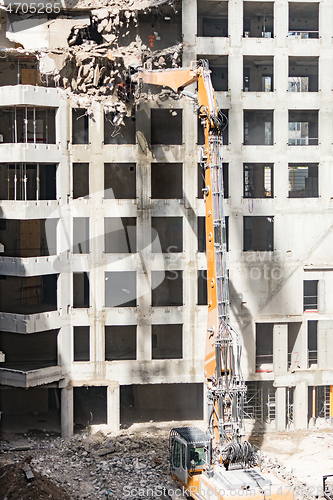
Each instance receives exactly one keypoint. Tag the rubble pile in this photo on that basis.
(132, 464)
(92, 467)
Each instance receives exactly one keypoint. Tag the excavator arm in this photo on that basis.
(222, 354)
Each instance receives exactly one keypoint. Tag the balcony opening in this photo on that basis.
(258, 19)
(81, 235)
(225, 129)
(27, 124)
(80, 180)
(294, 345)
(160, 402)
(29, 352)
(115, 133)
(81, 343)
(80, 126)
(312, 343)
(28, 238)
(258, 127)
(319, 405)
(303, 128)
(169, 234)
(120, 181)
(19, 70)
(81, 292)
(310, 295)
(201, 180)
(202, 288)
(258, 74)
(303, 20)
(28, 181)
(219, 71)
(167, 341)
(303, 180)
(260, 402)
(90, 405)
(212, 18)
(120, 234)
(258, 234)
(167, 181)
(258, 180)
(167, 288)
(303, 74)
(120, 289)
(30, 295)
(166, 126)
(120, 342)
(264, 347)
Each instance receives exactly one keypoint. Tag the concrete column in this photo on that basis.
(301, 406)
(325, 344)
(67, 412)
(280, 408)
(280, 348)
(113, 406)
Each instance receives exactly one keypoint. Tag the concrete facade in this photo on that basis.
(278, 239)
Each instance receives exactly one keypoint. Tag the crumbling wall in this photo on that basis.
(91, 53)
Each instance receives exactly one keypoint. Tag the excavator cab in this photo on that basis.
(190, 452)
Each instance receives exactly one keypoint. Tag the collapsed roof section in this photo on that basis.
(90, 53)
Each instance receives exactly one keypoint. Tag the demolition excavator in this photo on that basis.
(217, 464)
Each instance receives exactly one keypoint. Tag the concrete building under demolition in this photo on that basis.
(103, 292)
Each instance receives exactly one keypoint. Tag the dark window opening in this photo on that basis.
(312, 343)
(212, 19)
(90, 405)
(264, 347)
(120, 181)
(258, 74)
(120, 234)
(29, 352)
(303, 74)
(167, 288)
(202, 288)
(160, 402)
(258, 127)
(80, 127)
(81, 292)
(166, 126)
(303, 20)
(27, 124)
(258, 234)
(219, 71)
(120, 342)
(115, 133)
(81, 343)
(258, 180)
(201, 180)
(303, 128)
(120, 289)
(30, 295)
(167, 341)
(27, 181)
(310, 295)
(80, 180)
(303, 180)
(258, 19)
(167, 180)
(29, 238)
(167, 234)
(81, 235)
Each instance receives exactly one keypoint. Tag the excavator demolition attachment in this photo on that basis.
(217, 464)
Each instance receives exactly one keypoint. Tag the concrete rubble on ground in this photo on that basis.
(135, 464)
